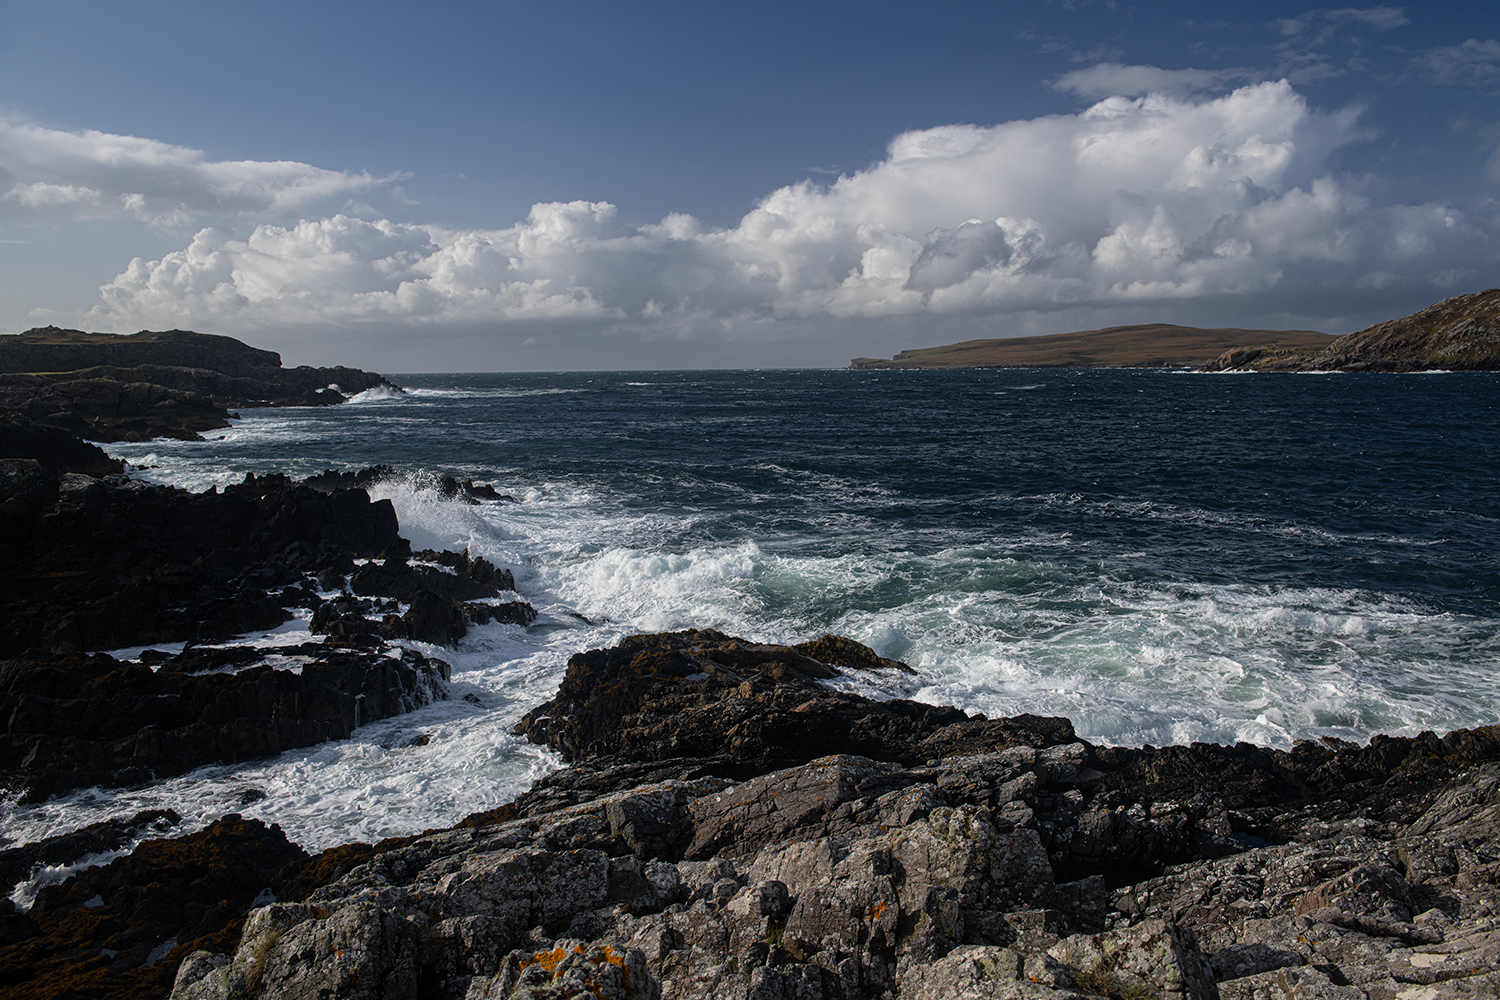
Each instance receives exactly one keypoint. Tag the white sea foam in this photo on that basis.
(24, 893)
(1021, 622)
(379, 393)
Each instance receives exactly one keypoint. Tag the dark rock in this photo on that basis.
(463, 491)
(508, 613)
(76, 720)
(940, 877)
(434, 619)
(174, 383)
(703, 694)
(117, 562)
(55, 451)
(122, 930)
(20, 863)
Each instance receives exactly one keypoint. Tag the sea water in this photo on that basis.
(1161, 557)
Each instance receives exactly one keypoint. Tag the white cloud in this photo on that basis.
(47, 174)
(1474, 63)
(1115, 80)
(1325, 22)
(1132, 202)
(1307, 40)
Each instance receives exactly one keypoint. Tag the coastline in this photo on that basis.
(728, 824)
(660, 795)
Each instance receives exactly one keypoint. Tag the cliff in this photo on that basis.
(1461, 333)
(175, 383)
(1152, 345)
(50, 349)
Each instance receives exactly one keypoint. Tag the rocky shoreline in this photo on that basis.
(1023, 863)
(966, 857)
(173, 383)
(730, 823)
(1461, 333)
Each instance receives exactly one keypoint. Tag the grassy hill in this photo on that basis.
(1461, 333)
(1149, 345)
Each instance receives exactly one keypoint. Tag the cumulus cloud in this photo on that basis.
(47, 174)
(1134, 201)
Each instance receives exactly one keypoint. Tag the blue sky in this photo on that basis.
(592, 185)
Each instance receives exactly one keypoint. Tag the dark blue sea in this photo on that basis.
(1162, 557)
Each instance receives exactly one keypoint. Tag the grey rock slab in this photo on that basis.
(1163, 957)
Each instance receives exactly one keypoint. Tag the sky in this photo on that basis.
(587, 185)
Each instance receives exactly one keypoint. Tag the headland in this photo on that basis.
(1149, 345)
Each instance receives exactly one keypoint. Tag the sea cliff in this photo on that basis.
(173, 383)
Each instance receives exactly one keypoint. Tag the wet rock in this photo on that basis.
(703, 694)
(122, 929)
(77, 720)
(507, 613)
(119, 562)
(20, 863)
(850, 876)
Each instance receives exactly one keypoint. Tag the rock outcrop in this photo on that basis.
(1461, 333)
(1043, 869)
(122, 929)
(75, 720)
(99, 563)
(174, 383)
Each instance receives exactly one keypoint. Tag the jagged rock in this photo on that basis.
(464, 491)
(122, 929)
(77, 720)
(117, 562)
(703, 694)
(1153, 954)
(54, 450)
(19, 863)
(508, 613)
(848, 876)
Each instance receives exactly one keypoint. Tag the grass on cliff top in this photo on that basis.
(1151, 345)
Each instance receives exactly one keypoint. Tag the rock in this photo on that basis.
(1461, 333)
(1151, 957)
(77, 720)
(54, 451)
(435, 619)
(19, 863)
(174, 383)
(122, 929)
(116, 562)
(702, 694)
(507, 613)
(848, 876)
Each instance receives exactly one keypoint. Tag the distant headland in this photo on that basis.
(168, 383)
(1457, 334)
(1148, 345)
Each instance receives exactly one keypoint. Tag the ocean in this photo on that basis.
(1160, 556)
